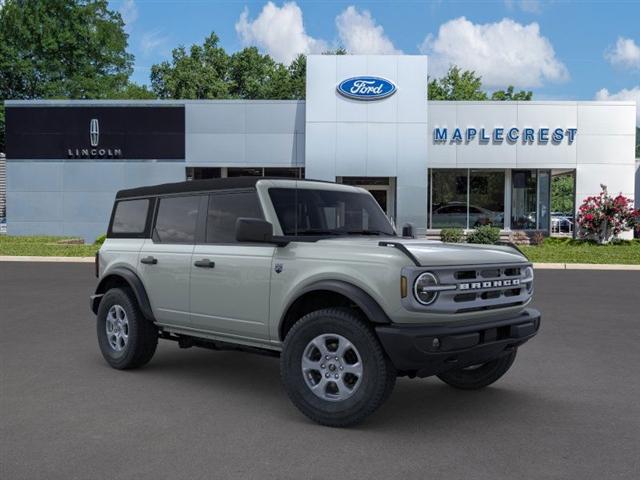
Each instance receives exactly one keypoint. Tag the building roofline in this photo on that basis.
(151, 103)
(534, 102)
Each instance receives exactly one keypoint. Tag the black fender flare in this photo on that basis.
(372, 310)
(133, 281)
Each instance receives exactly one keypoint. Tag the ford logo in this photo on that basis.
(366, 88)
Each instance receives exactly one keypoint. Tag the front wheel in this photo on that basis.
(334, 369)
(479, 376)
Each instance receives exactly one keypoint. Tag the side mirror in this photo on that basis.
(254, 230)
(408, 231)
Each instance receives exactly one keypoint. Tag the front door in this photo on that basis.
(165, 260)
(230, 280)
(382, 189)
(381, 197)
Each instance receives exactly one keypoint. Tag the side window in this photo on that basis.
(176, 219)
(130, 216)
(224, 210)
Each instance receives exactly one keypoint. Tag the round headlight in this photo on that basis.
(421, 288)
(528, 275)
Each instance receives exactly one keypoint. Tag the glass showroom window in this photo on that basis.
(466, 198)
(448, 198)
(486, 198)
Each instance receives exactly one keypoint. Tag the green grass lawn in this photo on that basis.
(556, 250)
(44, 246)
(553, 250)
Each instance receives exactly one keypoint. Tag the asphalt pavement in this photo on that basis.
(568, 409)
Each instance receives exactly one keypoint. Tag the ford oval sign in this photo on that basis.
(366, 88)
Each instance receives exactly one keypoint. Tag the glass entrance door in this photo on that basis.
(381, 198)
(530, 197)
(382, 189)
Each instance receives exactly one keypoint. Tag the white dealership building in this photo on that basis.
(366, 121)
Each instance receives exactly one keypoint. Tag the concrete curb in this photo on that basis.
(10, 258)
(584, 266)
(540, 266)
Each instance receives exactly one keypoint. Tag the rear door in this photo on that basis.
(165, 259)
(230, 280)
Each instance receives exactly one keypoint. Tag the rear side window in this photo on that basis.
(224, 210)
(130, 217)
(176, 219)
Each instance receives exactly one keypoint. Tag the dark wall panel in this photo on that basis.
(147, 132)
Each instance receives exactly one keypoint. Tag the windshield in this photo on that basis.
(328, 212)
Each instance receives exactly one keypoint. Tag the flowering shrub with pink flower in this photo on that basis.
(604, 217)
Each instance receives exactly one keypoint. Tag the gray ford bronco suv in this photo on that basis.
(314, 273)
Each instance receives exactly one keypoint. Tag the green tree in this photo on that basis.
(298, 74)
(562, 193)
(61, 49)
(199, 74)
(208, 72)
(457, 85)
(510, 95)
(256, 76)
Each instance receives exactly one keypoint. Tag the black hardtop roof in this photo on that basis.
(199, 186)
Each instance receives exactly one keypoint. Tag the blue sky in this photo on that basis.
(561, 50)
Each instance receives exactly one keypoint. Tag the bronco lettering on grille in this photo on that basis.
(490, 284)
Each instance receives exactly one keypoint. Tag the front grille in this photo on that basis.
(481, 288)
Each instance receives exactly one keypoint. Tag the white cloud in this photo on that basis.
(626, 53)
(151, 41)
(632, 94)
(129, 13)
(504, 53)
(529, 6)
(360, 34)
(278, 31)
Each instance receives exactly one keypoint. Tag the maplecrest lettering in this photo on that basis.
(510, 135)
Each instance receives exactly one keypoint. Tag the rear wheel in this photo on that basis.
(126, 338)
(334, 369)
(479, 376)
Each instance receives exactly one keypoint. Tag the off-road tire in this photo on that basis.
(480, 377)
(378, 377)
(142, 333)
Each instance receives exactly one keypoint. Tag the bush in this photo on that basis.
(485, 234)
(100, 240)
(603, 217)
(452, 235)
(537, 238)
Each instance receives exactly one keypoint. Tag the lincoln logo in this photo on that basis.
(94, 132)
(366, 88)
(94, 151)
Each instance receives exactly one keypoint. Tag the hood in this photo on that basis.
(434, 253)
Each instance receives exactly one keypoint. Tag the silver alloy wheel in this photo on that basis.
(332, 367)
(117, 327)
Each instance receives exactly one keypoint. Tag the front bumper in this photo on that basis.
(429, 350)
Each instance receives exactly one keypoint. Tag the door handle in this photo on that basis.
(204, 263)
(149, 260)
